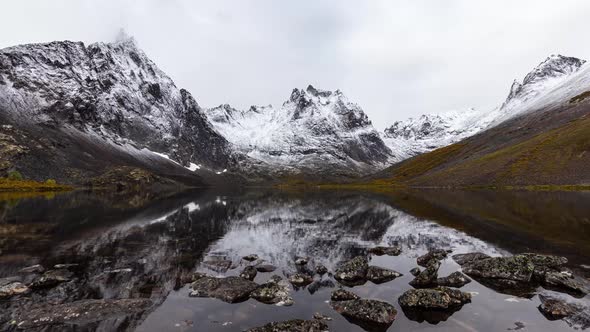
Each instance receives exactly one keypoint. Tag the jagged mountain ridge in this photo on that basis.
(110, 93)
(431, 131)
(315, 131)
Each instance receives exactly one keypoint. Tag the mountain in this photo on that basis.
(539, 136)
(315, 132)
(71, 111)
(411, 137)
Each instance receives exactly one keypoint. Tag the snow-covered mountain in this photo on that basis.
(431, 131)
(314, 132)
(110, 93)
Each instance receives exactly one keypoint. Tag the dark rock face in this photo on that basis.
(249, 273)
(295, 325)
(273, 292)
(230, 289)
(438, 254)
(463, 259)
(353, 270)
(455, 279)
(81, 312)
(436, 298)
(575, 315)
(52, 278)
(390, 251)
(366, 313)
(428, 276)
(380, 275)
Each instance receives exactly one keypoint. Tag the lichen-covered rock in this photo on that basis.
(434, 298)
(576, 315)
(382, 250)
(273, 292)
(545, 260)
(343, 295)
(463, 259)
(300, 279)
(80, 312)
(455, 279)
(428, 276)
(52, 278)
(380, 275)
(438, 254)
(294, 325)
(563, 280)
(249, 272)
(365, 312)
(353, 270)
(230, 289)
(515, 268)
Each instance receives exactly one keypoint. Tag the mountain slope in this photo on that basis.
(99, 106)
(431, 131)
(545, 140)
(314, 133)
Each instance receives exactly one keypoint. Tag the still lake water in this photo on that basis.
(139, 247)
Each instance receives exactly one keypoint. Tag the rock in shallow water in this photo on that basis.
(428, 276)
(300, 279)
(295, 325)
(415, 271)
(273, 292)
(265, 268)
(515, 268)
(380, 275)
(321, 269)
(435, 298)
(463, 259)
(353, 270)
(390, 251)
(366, 313)
(343, 295)
(230, 289)
(438, 254)
(576, 315)
(455, 279)
(249, 272)
(250, 258)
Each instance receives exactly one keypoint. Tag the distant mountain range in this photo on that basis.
(75, 113)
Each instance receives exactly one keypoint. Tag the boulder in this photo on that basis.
(300, 279)
(428, 276)
(434, 298)
(294, 325)
(249, 272)
(514, 268)
(273, 292)
(230, 289)
(382, 250)
(563, 280)
(463, 259)
(380, 275)
(576, 315)
(369, 314)
(343, 295)
(455, 279)
(438, 254)
(353, 270)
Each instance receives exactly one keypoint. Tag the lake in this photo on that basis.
(141, 247)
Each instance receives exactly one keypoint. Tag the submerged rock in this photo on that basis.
(52, 278)
(576, 315)
(438, 254)
(435, 298)
(428, 276)
(380, 275)
(463, 259)
(381, 250)
(230, 289)
(80, 312)
(250, 258)
(265, 268)
(300, 279)
(368, 314)
(353, 270)
(249, 272)
(321, 269)
(343, 295)
(273, 292)
(455, 279)
(294, 325)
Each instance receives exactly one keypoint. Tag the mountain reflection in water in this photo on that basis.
(143, 247)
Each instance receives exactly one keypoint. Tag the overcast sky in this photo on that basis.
(395, 58)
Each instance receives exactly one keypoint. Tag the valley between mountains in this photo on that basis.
(104, 115)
